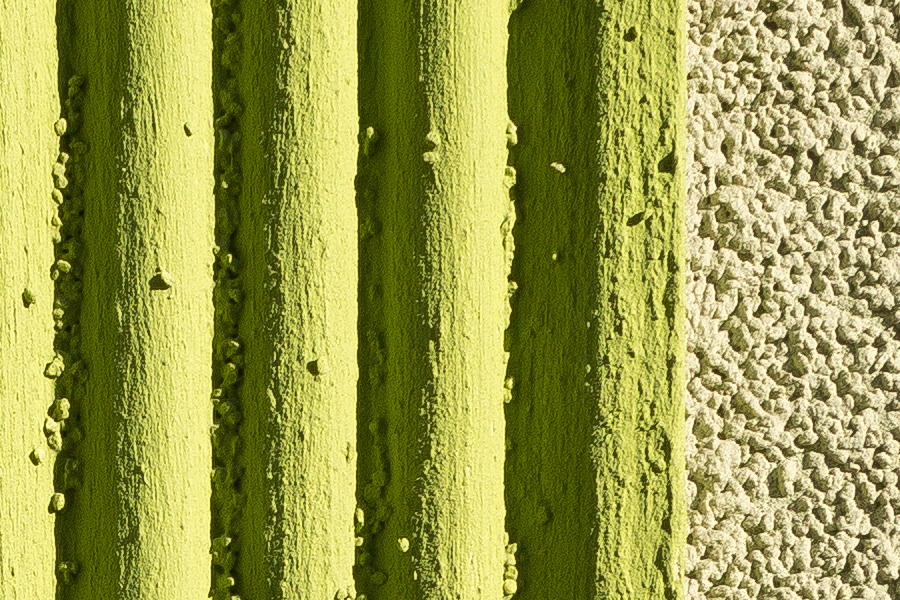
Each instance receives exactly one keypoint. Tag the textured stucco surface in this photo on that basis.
(793, 359)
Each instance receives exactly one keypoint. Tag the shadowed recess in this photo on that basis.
(226, 499)
(69, 295)
(549, 474)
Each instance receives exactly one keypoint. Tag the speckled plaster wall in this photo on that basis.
(793, 360)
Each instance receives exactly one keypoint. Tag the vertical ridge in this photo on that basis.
(637, 346)
(297, 246)
(141, 516)
(595, 465)
(433, 200)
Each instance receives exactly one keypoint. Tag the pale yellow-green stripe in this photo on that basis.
(637, 340)
(29, 105)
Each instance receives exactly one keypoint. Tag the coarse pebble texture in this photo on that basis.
(29, 107)
(296, 255)
(794, 258)
(138, 517)
(434, 205)
(595, 422)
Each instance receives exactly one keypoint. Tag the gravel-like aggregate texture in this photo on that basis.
(793, 350)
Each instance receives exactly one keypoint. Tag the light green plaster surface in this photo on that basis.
(29, 106)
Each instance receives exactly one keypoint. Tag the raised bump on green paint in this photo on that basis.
(29, 107)
(296, 242)
(596, 338)
(140, 518)
(434, 297)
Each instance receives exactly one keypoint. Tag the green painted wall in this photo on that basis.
(343, 292)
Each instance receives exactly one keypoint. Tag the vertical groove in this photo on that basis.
(228, 351)
(372, 470)
(596, 418)
(297, 246)
(67, 366)
(29, 106)
(140, 520)
(433, 193)
(548, 471)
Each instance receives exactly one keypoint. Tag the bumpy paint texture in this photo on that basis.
(595, 423)
(296, 253)
(28, 149)
(793, 345)
(136, 524)
(434, 202)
